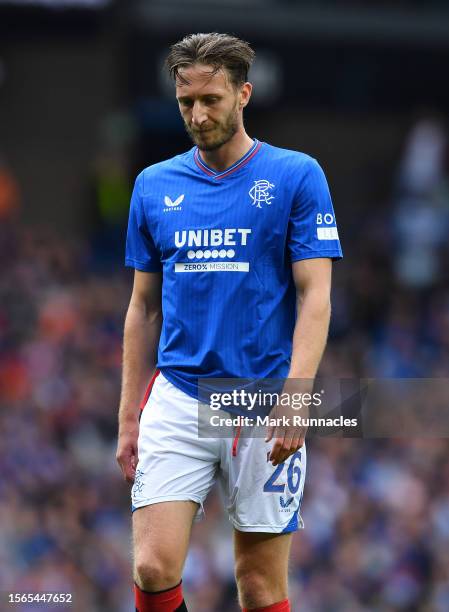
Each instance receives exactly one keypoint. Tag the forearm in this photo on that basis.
(140, 344)
(310, 334)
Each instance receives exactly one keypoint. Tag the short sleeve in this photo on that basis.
(141, 252)
(312, 228)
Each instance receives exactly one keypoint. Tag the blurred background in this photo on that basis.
(84, 106)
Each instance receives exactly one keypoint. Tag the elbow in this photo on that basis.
(324, 309)
(150, 311)
(154, 316)
(317, 302)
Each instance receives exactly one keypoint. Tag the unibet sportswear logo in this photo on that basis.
(176, 205)
(260, 193)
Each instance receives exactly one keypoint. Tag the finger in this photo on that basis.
(130, 474)
(127, 472)
(277, 446)
(278, 434)
(284, 454)
(289, 445)
(275, 450)
(128, 467)
(297, 442)
(270, 433)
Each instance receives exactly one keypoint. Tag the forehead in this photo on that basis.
(200, 80)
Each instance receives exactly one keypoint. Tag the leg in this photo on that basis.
(263, 504)
(161, 534)
(173, 477)
(261, 568)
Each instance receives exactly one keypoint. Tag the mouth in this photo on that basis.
(200, 132)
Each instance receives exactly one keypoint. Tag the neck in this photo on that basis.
(222, 158)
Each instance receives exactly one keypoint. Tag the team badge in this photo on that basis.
(138, 483)
(260, 193)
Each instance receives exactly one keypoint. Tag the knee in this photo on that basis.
(255, 588)
(155, 574)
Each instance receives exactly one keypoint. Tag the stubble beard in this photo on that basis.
(225, 131)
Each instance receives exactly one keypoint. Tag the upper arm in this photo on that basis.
(141, 250)
(147, 291)
(313, 275)
(312, 231)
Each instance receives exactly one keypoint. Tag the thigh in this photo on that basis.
(261, 498)
(262, 553)
(173, 463)
(161, 534)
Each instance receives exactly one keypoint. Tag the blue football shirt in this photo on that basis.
(225, 242)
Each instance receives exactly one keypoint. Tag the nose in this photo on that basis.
(199, 115)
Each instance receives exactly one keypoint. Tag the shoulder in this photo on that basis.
(161, 170)
(302, 169)
(295, 159)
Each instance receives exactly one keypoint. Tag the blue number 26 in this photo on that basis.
(293, 476)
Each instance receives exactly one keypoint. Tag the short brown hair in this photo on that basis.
(213, 49)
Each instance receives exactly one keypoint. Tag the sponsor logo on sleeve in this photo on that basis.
(323, 231)
(327, 233)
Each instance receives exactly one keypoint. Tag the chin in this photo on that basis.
(215, 144)
(209, 146)
(205, 144)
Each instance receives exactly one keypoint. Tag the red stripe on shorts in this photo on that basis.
(148, 391)
(236, 441)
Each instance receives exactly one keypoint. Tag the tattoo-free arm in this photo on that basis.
(141, 339)
(312, 278)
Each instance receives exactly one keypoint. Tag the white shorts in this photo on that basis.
(175, 464)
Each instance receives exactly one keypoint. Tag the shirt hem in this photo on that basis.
(138, 265)
(334, 255)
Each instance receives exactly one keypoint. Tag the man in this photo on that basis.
(226, 241)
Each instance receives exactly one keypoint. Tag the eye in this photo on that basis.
(186, 103)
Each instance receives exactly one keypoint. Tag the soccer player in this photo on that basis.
(228, 241)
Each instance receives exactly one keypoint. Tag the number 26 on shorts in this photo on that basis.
(293, 476)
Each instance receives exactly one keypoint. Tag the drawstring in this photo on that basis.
(143, 403)
(236, 441)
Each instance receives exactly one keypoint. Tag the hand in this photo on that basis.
(126, 455)
(288, 436)
(287, 440)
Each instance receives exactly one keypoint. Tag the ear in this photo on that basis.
(245, 95)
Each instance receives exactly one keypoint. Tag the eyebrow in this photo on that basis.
(209, 95)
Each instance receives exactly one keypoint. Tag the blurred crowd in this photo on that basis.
(376, 512)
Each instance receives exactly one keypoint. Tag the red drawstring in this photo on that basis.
(236, 441)
(143, 403)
